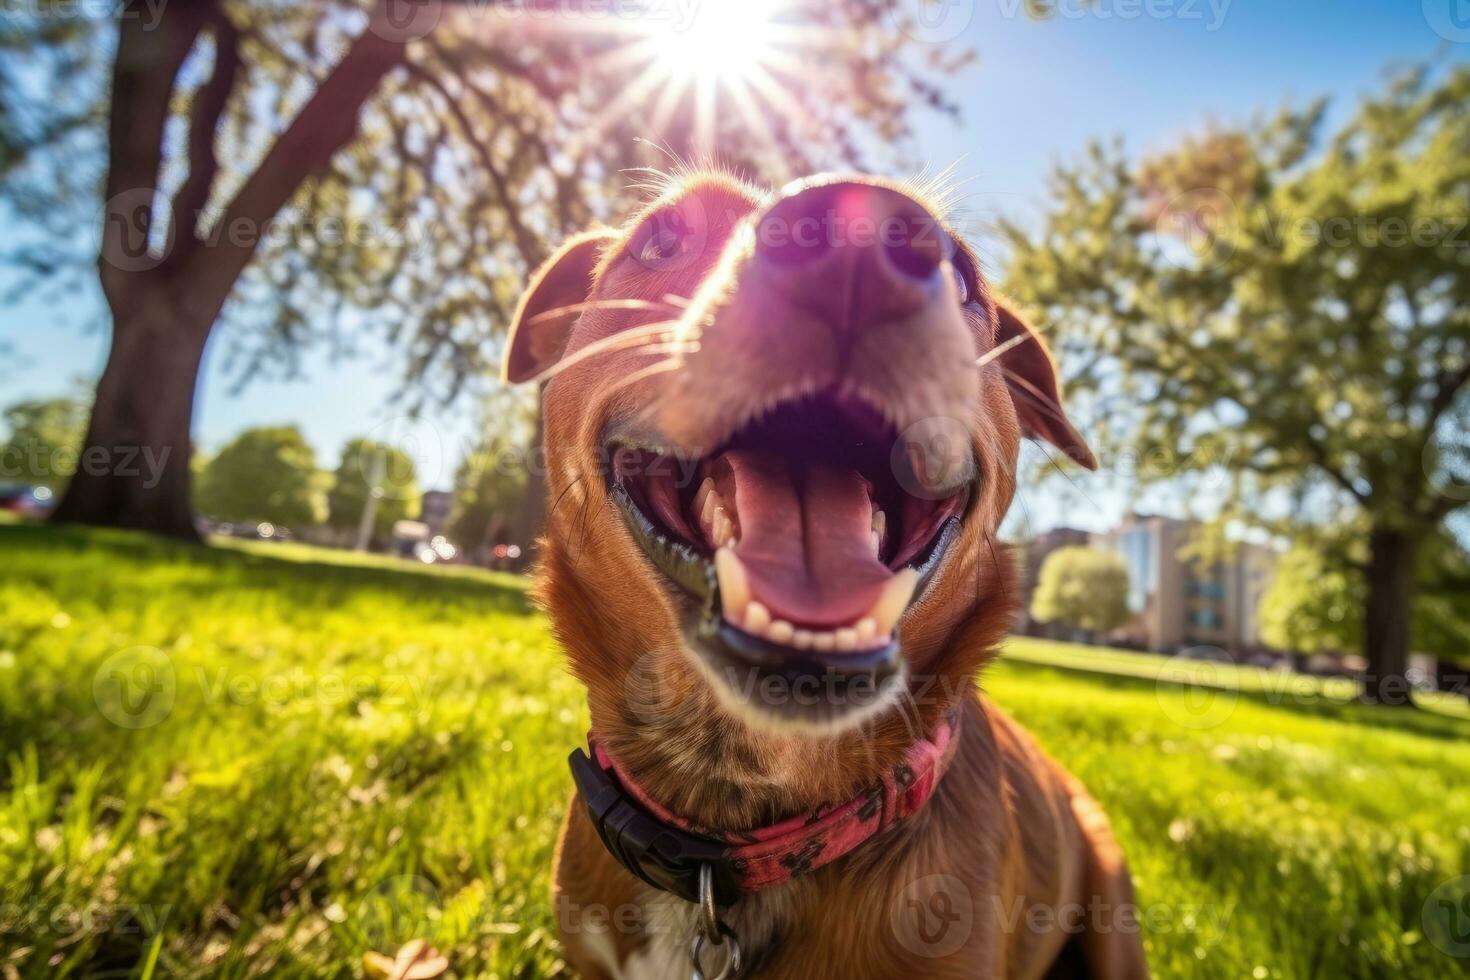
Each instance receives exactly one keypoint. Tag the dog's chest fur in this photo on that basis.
(757, 921)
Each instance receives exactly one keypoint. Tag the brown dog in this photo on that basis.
(781, 432)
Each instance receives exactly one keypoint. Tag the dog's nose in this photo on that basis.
(856, 255)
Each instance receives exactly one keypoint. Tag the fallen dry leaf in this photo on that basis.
(416, 960)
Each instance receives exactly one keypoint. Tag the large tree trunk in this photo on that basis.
(134, 471)
(1386, 623)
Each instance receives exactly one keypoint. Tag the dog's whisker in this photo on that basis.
(996, 352)
(670, 364)
(651, 334)
(558, 312)
(1039, 399)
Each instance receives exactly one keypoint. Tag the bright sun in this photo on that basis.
(701, 60)
(724, 39)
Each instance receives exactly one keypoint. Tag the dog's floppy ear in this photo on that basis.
(1031, 376)
(541, 325)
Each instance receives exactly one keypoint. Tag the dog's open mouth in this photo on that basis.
(806, 535)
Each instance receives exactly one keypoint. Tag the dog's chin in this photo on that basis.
(793, 551)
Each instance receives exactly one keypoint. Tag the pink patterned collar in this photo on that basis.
(666, 850)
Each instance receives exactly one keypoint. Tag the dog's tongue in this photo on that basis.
(805, 537)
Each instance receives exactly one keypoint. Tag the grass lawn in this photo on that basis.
(256, 760)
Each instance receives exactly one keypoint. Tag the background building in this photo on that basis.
(1176, 602)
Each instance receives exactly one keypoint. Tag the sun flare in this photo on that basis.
(695, 64)
(724, 40)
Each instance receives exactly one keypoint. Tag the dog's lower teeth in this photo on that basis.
(757, 618)
(781, 632)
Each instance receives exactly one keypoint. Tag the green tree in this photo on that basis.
(263, 474)
(1316, 596)
(1082, 587)
(489, 495)
(373, 469)
(42, 442)
(314, 174)
(1287, 306)
(1312, 605)
(492, 483)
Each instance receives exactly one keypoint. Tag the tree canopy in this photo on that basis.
(1287, 307)
(357, 174)
(1082, 587)
(384, 472)
(263, 474)
(43, 442)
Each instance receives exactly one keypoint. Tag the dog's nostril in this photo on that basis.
(916, 249)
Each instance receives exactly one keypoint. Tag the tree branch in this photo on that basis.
(526, 243)
(208, 108)
(143, 74)
(323, 126)
(1319, 457)
(1449, 385)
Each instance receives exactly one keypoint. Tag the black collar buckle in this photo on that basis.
(660, 855)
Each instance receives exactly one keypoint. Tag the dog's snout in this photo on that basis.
(854, 254)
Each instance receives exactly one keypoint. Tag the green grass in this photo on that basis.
(256, 759)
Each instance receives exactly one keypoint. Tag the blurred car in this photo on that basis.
(27, 501)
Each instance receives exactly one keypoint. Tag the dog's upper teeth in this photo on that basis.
(702, 502)
(893, 601)
(714, 516)
(734, 585)
(722, 529)
(880, 531)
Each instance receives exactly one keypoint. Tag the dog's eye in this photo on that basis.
(961, 283)
(664, 244)
(662, 239)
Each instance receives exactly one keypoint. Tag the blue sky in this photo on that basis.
(1149, 70)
